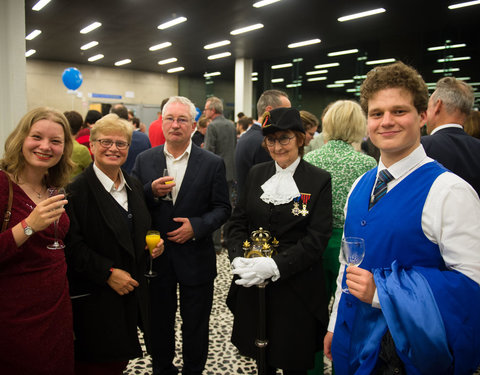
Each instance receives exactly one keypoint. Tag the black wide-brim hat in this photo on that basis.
(282, 119)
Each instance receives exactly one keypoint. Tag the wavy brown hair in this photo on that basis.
(397, 75)
(13, 160)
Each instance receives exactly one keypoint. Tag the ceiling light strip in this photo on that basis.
(123, 62)
(30, 52)
(160, 46)
(382, 61)
(171, 23)
(330, 65)
(175, 70)
(313, 72)
(219, 55)
(465, 4)
(345, 52)
(33, 34)
(263, 3)
(281, 66)
(316, 79)
(361, 14)
(246, 29)
(217, 44)
(304, 43)
(96, 57)
(90, 27)
(213, 74)
(38, 6)
(449, 59)
(89, 45)
(168, 61)
(448, 46)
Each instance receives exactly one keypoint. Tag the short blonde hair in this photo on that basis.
(13, 160)
(345, 121)
(110, 124)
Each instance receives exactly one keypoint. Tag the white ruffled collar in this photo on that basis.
(281, 187)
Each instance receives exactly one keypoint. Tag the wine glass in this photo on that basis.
(168, 196)
(353, 249)
(56, 244)
(152, 239)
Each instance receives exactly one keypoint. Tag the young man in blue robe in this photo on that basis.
(414, 301)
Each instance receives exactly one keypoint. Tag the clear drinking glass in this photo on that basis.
(167, 197)
(353, 249)
(152, 239)
(56, 244)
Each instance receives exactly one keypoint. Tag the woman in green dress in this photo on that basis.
(343, 124)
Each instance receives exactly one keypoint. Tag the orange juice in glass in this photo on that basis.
(152, 239)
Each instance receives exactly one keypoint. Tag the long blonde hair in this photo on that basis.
(14, 161)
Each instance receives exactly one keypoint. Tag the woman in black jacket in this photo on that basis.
(106, 255)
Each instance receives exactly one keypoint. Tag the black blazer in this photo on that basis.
(99, 238)
(203, 199)
(457, 151)
(302, 238)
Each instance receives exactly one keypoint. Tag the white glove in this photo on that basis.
(240, 262)
(250, 280)
(255, 269)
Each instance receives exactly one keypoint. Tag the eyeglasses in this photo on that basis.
(180, 121)
(107, 143)
(283, 140)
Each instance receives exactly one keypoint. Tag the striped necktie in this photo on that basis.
(384, 177)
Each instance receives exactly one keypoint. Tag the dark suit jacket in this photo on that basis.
(99, 238)
(203, 199)
(249, 152)
(140, 142)
(457, 151)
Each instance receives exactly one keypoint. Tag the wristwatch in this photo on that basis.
(27, 229)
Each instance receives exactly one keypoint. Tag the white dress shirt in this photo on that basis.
(177, 167)
(445, 126)
(120, 193)
(450, 218)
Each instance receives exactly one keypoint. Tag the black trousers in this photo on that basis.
(195, 307)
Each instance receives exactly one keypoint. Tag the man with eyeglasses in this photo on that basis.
(198, 206)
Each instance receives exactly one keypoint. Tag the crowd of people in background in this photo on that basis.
(206, 183)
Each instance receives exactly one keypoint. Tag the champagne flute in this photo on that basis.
(152, 239)
(353, 249)
(56, 244)
(168, 196)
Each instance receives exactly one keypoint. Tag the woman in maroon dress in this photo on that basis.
(36, 334)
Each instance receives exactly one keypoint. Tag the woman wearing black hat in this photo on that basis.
(292, 200)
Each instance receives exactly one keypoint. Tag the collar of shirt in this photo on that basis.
(187, 152)
(107, 183)
(290, 169)
(445, 126)
(404, 167)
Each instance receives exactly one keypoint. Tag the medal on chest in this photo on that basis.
(296, 206)
(296, 210)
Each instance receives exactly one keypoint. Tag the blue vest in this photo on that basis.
(392, 230)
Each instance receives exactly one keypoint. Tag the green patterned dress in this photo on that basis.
(345, 165)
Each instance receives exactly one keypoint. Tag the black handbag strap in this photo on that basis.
(8, 212)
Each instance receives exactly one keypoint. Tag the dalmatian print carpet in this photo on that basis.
(223, 357)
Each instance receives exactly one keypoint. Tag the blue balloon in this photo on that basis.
(72, 78)
(199, 113)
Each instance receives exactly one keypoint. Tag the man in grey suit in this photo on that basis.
(448, 108)
(221, 139)
(186, 207)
